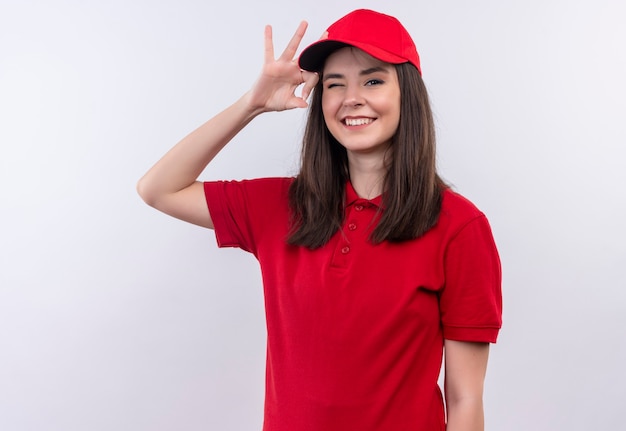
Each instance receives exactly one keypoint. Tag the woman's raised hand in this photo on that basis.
(171, 185)
(275, 89)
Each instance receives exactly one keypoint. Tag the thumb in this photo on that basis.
(310, 81)
(296, 102)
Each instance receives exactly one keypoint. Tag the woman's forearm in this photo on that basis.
(181, 166)
(172, 185)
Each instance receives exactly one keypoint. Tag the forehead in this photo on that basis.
(350, 56)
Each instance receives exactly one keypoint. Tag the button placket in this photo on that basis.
(356, 216)
(347, 238)
(351, 226)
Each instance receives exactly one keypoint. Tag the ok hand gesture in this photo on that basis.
(275, 89)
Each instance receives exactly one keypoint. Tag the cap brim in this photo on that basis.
(314, 56)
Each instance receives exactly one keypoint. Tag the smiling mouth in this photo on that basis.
(357, 121)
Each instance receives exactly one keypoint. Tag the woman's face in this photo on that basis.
(360, 101)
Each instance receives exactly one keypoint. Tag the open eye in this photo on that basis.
(370, 82)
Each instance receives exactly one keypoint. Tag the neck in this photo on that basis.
(367, 175)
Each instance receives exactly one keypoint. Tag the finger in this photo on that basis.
(292, 47)
(310, 81)
(296, 102)
(269, 45)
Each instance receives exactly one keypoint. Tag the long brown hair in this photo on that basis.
(412, 188)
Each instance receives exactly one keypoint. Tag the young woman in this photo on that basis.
(373, 269)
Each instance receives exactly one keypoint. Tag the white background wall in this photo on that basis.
(116, 317)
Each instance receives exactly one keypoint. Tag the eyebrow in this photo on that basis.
(362, 73)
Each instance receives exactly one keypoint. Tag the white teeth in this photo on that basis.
(358, 121)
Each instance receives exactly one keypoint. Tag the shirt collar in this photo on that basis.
(352, 198)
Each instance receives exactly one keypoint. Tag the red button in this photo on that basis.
(358, 207)
(345, 250)
(352, 226)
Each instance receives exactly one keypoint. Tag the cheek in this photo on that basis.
(328, 111)
(395, 109)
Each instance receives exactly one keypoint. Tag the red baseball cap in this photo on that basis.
(381, 36)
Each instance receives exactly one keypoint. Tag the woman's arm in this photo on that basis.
(171, 185)
(465, 369)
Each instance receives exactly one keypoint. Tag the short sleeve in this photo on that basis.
(226, 202)
(244, 211)
(471, 299)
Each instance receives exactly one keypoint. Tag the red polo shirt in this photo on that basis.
(356, 330)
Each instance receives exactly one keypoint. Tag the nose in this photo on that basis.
(353, 97)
